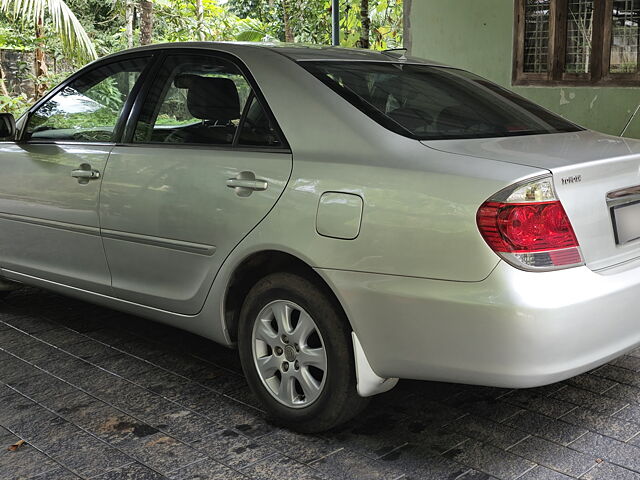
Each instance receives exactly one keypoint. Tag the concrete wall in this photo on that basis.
(478, 35)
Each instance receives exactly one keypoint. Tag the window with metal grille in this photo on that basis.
(536, 36)
(625, 36)
(586, 42)
(579, 36)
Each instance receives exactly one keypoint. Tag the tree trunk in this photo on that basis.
(41, 63)
(288, 32)
(3, 85)
(128, 23)
(200, 20)
(366, 24)
(146, 21)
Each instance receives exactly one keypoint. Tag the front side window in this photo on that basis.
(89, 108)
(201, 99)
(433, 103)
(577, 41)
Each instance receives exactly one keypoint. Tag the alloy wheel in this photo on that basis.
(289, 354)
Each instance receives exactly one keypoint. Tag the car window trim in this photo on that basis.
(88, 68)
(204, 146)
(146, 74)
(134, 114)
(243, 117)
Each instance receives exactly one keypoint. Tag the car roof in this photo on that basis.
(296, 51)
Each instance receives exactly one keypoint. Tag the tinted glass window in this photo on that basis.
(197, 100)
(431, 103)
(88, 109)
(257, 130)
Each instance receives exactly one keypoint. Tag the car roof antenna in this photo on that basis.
(393, 52)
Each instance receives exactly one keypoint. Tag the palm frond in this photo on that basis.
(72, 34)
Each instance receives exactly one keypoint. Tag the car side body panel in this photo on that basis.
(49, 225)
(169, 219)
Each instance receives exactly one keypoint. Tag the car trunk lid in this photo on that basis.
(594, 176)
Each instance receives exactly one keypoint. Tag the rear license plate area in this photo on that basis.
(626, 222)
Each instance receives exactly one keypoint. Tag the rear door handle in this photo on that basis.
(245, 183)
(257, 185)
(85, 173)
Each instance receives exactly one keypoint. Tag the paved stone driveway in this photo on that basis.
(99, 394)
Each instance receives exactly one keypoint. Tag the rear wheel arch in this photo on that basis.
(257, 266)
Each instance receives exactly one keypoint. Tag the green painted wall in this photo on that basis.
(477, 35)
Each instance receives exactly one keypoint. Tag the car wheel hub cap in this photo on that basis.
(289, 354)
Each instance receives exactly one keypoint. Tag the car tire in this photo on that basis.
(293, 328)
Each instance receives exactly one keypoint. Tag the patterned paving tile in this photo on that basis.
(283, 468)
(546, 427)
(554, 456)
(25, 462)
(164, 454)
(613, 451)
(132, 471)
(233, 449)
(303, 448)
(347, 464)
(498, 435)
(607, 471)
(489, 459)
(206, 470)
(610, 426)
(543, 473)
(100, 394)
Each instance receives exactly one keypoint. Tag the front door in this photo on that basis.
(50, 180)
(204, 165)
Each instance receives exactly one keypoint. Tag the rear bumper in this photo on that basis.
(514, 329)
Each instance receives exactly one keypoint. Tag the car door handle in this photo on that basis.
(256, 185)
(85, 173)
(245, 183)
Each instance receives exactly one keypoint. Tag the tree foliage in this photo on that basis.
(310, 20)
(72, 35)
(75, 31)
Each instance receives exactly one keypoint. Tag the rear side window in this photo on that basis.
(202, 99)
(256, 130)
(434, 103)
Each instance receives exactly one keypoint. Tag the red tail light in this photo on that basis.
(529, 229)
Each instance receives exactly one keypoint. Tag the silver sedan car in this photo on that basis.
(344, 217)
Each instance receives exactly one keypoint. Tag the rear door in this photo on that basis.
(50, 180)
(203, 165)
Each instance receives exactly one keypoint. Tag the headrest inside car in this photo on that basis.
(210, 98)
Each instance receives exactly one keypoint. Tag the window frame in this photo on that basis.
(142, 96)
(599, 74)
(122, 119)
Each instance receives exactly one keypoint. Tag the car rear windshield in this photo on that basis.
(435, 103)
